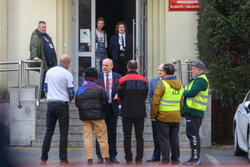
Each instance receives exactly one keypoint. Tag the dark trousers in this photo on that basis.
(127, 124)
(111, 122)
(169, 140)
(42, 86)
(122, 63)
(193, 125)
(60, 111)
(157, 148)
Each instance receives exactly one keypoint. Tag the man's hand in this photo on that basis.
(36, 59)
(115, 98)
(153, 119)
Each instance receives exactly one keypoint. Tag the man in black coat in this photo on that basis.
(121, 48)
(132, 95)
(111, 110)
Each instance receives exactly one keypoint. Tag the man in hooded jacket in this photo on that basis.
(166, 106)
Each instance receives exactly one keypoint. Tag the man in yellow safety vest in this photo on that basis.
(195, 103)
(166, 109)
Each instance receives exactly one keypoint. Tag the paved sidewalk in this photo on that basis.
(30, 157)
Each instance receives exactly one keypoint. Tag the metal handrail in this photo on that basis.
(21, 69)
(27, 76)
(189, 65)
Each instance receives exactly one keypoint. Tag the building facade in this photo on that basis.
(160, 35)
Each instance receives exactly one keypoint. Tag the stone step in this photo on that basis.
(75, 138)
(78, 129)
(80, 144)
(79, 137)
(77, 121)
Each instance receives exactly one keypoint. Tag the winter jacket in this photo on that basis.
(199, 84)
(165, 116)
(37, 49)
(90, 100)
(132, 95)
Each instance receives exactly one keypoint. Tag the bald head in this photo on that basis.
(132, 65)
(107, 65)
(65, 60)
(108, 60)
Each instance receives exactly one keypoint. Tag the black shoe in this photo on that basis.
(107, 162)
(90, 161)
(164, 162)
(175, 162)
(138, 162)
(129, 162)
(99, 160)
(114, 160)
(153, 160)
(43, 162)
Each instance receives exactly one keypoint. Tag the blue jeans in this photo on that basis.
(56, 110)
(193, 125)
(157, 148)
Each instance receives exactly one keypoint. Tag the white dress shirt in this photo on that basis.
(110, 84)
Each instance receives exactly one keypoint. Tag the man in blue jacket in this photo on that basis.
(157, 150)
(109, 81)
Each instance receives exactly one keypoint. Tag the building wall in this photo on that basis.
(3, 47)
(172, 35)
(19, 18)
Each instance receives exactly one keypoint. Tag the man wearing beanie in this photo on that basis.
(195, 103)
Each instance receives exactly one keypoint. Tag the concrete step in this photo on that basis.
(78, 129)
(79, 137)
(75, 138)
(80, 144)
(77, 121)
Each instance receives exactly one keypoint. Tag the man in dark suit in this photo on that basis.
(121, 48)
(109, 81)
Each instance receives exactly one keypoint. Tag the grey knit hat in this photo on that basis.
(199, 64)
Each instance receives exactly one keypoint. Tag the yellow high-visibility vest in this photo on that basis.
(171, 99)
(199, 102)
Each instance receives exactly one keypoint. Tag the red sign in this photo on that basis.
(184, 5)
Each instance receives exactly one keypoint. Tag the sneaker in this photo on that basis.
(193, 162)
(197, 162)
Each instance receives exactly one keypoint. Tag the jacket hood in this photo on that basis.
(174, 83)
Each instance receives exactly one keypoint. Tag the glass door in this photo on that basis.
(83, 37)
(141, 36)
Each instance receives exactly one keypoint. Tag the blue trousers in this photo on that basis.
(56, 111)
(193, 125)
(157, 148)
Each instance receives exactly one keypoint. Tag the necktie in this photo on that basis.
(107, 86)
(122, 41)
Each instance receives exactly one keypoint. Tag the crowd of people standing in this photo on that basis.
(102, 91)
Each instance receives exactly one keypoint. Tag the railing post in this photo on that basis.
(19, 84)
(41, 83)
(179, 70)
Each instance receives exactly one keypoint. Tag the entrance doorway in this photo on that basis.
(114, 11)
(84, 16)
